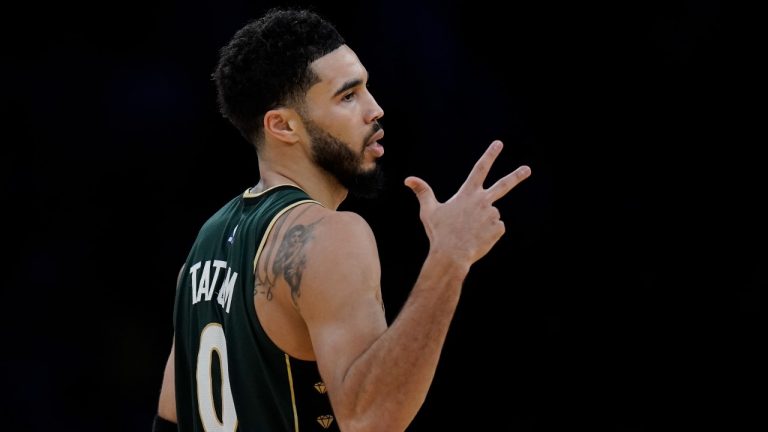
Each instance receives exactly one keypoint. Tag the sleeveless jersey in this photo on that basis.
(229, 375)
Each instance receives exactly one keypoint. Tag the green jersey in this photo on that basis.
(229, 375)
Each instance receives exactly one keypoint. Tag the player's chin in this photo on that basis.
(369, 165)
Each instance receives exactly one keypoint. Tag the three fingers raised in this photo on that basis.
(475, 179)
(480, 171)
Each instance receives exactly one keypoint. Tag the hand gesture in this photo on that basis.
(468, 225)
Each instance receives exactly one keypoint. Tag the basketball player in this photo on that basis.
(279, 320)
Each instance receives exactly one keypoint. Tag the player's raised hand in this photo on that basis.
(467, 225)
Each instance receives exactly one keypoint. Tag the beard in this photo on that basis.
(335, 157)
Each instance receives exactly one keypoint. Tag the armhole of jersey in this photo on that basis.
(287, 357)
(259, 250)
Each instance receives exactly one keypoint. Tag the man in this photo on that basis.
(279, 319)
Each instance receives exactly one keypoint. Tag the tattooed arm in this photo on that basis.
(378, 377)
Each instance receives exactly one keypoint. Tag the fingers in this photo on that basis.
(483, 165)
(423, 192)
(506, 183)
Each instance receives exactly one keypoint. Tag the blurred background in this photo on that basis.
(625, 295)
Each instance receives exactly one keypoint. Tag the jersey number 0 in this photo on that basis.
(212, 339)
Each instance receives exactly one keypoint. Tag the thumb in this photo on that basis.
(423, 192)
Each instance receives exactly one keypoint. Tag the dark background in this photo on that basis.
(625, 296)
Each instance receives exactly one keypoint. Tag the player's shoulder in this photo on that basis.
(331, 227)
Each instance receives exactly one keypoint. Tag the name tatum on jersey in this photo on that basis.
(208, 287)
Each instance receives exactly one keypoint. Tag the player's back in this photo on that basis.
(229, 374)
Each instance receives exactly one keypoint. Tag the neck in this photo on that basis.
(317, 183)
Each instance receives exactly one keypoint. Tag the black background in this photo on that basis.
(625, 295)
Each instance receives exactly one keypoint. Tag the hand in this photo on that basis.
(467, 225)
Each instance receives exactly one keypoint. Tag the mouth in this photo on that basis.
(373, 145)
(377, 136)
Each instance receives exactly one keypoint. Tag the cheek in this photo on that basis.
(336, 126)
(343, 126)
(350, 138)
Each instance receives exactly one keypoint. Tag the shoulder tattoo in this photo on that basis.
(290, 260)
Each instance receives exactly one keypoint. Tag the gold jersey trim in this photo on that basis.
(293, 394)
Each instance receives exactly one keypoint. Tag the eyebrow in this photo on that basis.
(348, 85)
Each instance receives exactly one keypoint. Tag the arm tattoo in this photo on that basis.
(291, 260)
(265, 280)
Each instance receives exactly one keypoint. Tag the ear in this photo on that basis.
(281, 124)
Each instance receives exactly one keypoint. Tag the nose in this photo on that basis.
(375, 112)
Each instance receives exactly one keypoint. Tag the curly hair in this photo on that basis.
(266, 65)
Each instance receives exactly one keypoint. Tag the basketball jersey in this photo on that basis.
(229, 375)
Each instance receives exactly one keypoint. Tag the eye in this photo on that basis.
(348, 97)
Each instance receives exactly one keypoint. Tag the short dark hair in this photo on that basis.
(266, 65)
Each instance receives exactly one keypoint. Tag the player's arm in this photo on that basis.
(378, 377)
(166, 406)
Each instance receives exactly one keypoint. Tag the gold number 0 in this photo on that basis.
(212, 339)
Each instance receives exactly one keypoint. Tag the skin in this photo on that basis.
(377, 376)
